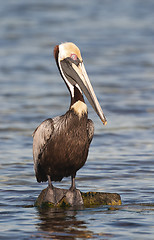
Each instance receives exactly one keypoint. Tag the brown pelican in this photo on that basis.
(61, 144)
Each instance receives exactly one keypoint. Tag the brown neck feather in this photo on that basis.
(77, 96)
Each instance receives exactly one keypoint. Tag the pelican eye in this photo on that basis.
(74, 59)
(74, 56)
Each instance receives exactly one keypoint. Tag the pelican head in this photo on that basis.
(71, 67)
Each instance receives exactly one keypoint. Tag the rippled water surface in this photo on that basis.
(116, 39)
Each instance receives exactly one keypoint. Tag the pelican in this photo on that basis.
(61, 144)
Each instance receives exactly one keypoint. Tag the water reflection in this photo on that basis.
(62, 224)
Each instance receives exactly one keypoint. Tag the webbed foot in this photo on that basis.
(54, 195)
(74, 197)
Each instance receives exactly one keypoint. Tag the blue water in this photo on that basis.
(116, 39)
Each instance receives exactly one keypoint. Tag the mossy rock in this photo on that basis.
(100, 198)
(89, 199)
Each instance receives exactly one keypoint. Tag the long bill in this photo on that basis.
(84, 83)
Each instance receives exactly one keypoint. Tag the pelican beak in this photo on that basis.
(71, 67)
(75, 74)
(85, 85)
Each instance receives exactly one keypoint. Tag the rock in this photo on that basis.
(100, 198)
(67, 198)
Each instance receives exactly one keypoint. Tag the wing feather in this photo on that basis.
(90, 130)
(41, 136)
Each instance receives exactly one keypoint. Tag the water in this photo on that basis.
(116, 40)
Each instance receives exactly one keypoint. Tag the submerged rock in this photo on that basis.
(66, 198)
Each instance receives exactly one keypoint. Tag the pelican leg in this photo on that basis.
(73, 187)
(51, 192)
(50, 183)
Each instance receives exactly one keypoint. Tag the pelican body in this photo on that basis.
(61, 144)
